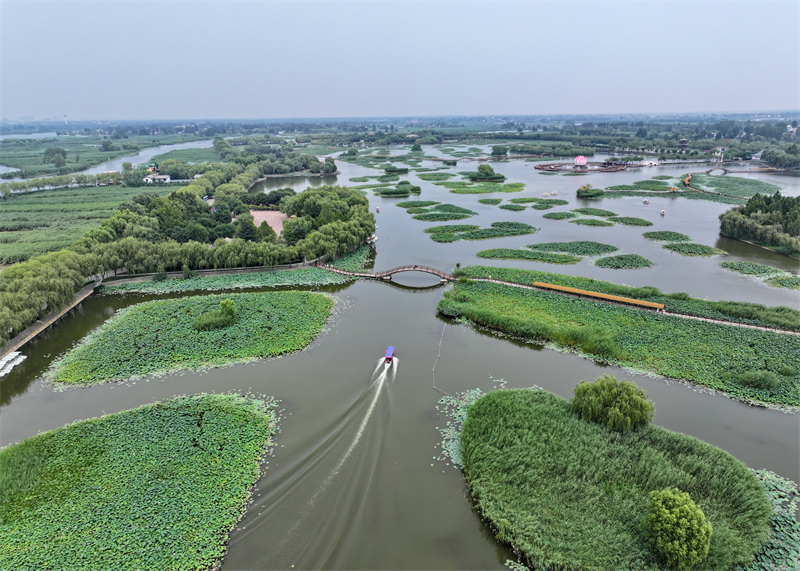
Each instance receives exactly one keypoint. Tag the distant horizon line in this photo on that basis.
(767, 113)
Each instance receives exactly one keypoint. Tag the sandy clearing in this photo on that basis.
(272, 217)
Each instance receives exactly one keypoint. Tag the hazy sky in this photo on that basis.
(225, 59)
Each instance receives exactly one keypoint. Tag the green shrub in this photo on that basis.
(223, 317)
(759, 379)
(160, 276)
(787, 371)
(678, 528)
(622, 406)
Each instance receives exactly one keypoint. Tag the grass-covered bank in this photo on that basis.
(159, 336)
(734, 311)
(156, 487)
(718, 356)
(569, 494)
(354, 261)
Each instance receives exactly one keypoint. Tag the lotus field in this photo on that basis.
(751, 268)
(705, 353)
(578, 248)
(692, 249)
(735, 186)
(157, 337)
(455, 232)
(463, 187)
(156, 487)
(511, 254)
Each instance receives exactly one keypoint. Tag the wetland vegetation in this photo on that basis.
(634, 338)
(156, 487)
(455, 232)
(591, 515)
(160, 336)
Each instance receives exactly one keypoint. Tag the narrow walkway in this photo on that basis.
(448, 277)
(39, 326)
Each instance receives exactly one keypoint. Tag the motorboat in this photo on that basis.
(389, 354)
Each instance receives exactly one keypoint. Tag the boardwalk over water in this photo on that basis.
(34, 330)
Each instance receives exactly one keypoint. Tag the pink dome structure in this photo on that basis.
(580, 161)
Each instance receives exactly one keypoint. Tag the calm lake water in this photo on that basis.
(353, 483)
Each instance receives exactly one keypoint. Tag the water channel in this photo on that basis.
(353, 483)
(142, 156)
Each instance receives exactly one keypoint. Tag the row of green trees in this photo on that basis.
(141, 237)
(770, 220)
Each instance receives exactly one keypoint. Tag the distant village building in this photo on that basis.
(683, 144)
(162, 178)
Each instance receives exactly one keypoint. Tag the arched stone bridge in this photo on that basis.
(387, 275)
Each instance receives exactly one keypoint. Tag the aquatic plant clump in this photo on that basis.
(751, 268)
(455, 232)
(559, 215)
(666, 236)
(589, 516)
(492, 201)
(416, 203)
(691, 249)
(630, 221)
(156, 487)
(481, 187)
(512, 207)
(159, 337)
(590, 222)
(441, 213)
(788, 282)
(594, 212)
(436, 176)
(624, 262)
(577, 248)
(510, 254)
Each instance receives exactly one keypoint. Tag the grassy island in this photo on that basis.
(159, 337)
(570, 494)
(156, 487)
(716, 355)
